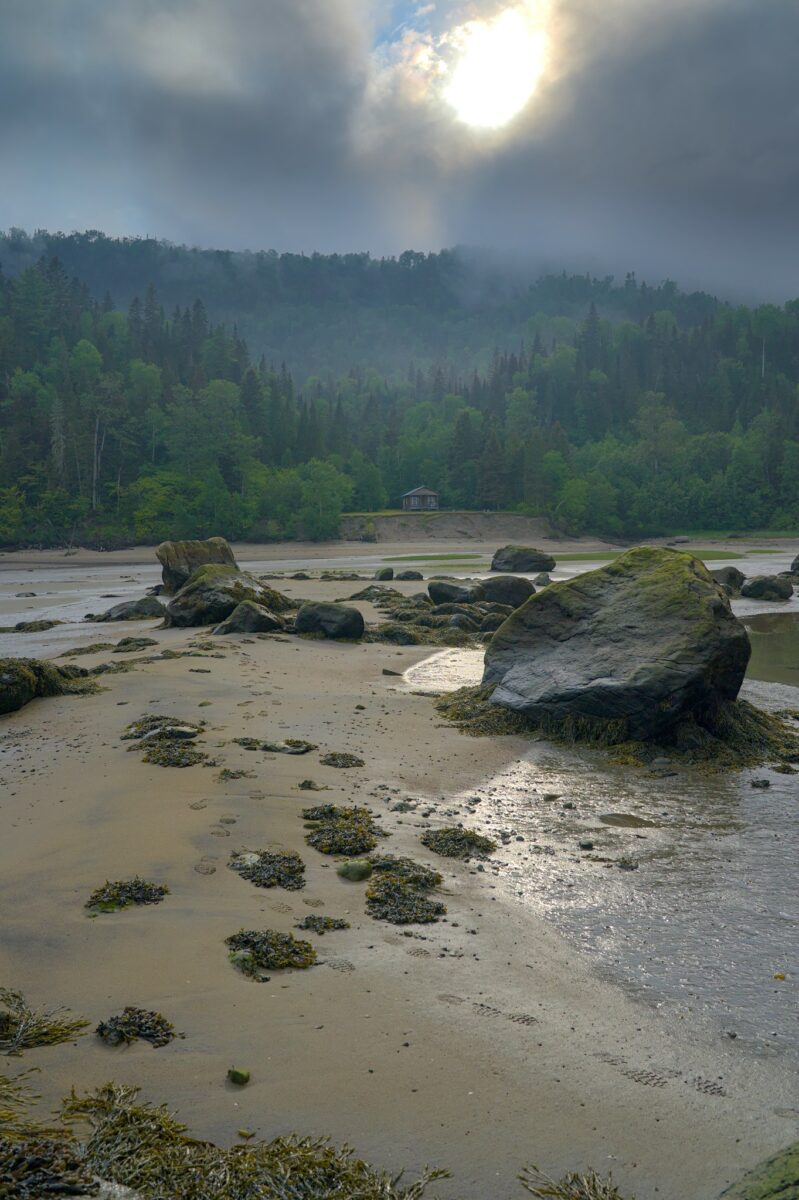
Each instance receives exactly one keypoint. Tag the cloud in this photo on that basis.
(661, 138)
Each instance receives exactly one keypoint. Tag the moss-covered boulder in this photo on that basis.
(768, 587)
(330, 620)
(250, 617)
(179, 560)
(25, 679)
(775, 1179)
(637, 646)
(507, 589)
(214, 591)
(522, 558)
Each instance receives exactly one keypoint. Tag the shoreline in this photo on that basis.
(517, 1050)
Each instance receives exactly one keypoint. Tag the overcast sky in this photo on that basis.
(662, 135)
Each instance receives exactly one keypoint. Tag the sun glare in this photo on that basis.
(498, 66)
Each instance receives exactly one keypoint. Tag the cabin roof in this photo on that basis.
(421, 491)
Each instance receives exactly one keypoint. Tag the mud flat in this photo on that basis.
(481, 1042)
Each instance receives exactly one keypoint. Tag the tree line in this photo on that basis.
(122, 427)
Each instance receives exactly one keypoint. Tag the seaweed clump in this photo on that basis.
(321, 925)
(338, 758)
(455, 841)
(267, 868)
(125, 894)
(143, 1147)
(23, 1028)
(136, 1023)
(398, 891)
(571, 1187)
(257, 951)
(338, 830)
(165, 740)
(737, 734)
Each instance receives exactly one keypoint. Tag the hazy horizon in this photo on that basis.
(628, 138)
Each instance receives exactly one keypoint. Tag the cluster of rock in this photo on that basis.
(636, 647)
(759, 587)
(450, 613)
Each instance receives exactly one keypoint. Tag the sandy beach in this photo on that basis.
(480, 1043)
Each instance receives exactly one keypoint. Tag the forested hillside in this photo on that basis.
(648, 412)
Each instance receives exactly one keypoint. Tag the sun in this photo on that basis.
(499, 63)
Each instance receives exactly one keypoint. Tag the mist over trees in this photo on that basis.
(618, 410)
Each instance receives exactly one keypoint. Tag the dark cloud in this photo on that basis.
(663, 139)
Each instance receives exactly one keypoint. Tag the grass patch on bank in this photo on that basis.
(741, 736)
(436, 558)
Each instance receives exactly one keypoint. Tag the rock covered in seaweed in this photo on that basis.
(730, 578)
(636, 647)
(507, 589)
(522, 558)
(331, 620)
(179, 560)
(446, 591)
(214, 591)
(26, 679)
(768, 587)
(250, 617)
(131, 610)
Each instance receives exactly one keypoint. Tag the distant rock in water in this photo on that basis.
(331, 620)
(768, 587)
(25, 679)
(507, 589)
(131, 610)
(180, 559)
(250, 617)
(730, 578)
(214, 591)
(522, 558)
(635, 647)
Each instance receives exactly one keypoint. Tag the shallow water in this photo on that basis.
(708, 913)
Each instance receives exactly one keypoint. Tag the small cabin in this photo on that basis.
(420, 498)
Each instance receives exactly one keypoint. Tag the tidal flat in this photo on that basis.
(517, 1028)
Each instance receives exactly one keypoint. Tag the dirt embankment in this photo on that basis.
(445, 526)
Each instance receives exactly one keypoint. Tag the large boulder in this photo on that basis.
(768, 587)
(384, 574)
(24, 679)
(409, 574)
(730, 578)
(131, 610)
(632, 648)
(444, 591)
(775, 1179)
(212, 593)
(250, 617)
(794, 567)
(331, 620)
(507, 589)
(522, 558)
(179, 560)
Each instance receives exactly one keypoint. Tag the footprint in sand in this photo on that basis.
(205, 868)
(708, 1087)
(198, 804)
(314, 903)
(450, 999)
(220, 833)
(340, 964)
(279, 906)
(418, 952)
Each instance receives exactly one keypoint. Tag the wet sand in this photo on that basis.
(479, 1051)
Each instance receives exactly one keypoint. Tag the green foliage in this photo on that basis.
(628, 411)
